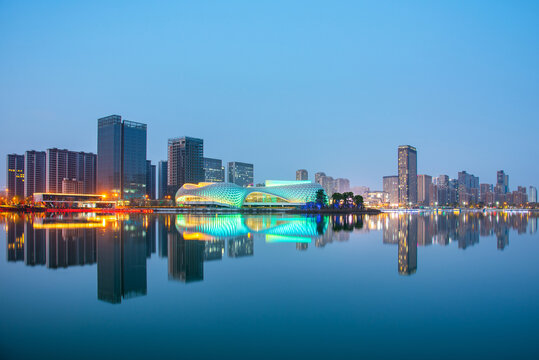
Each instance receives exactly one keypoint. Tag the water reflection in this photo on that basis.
(121, 245)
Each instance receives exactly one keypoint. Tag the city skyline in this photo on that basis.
(323, 66)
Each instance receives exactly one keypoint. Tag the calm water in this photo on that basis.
(235, 286)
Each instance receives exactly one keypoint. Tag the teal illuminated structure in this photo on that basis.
(274, 194)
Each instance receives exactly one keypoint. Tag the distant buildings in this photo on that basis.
(407, 169)
(70, 165)
(162, 169)
(34, 172)
(214, 171)
(361, 190)
(468, 188)
(424, 183)
(121, 157)
(341, 185)
(302, 174)
(486, 194)
(185, 162)
(150, 180)
(532, 198)
(15, 175)
(391, 187)
(328, 184)
(502, 182)
(241, 174)
(317, 176)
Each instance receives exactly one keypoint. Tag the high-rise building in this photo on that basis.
(214, 171)
(72, 186)
(453, 193)
(121, 157)
(328, 184)
(502, 182)
(318, 175)
(87, 171)
(423, 189)
(15, 175)
(532, 198)
(150, 180)
(64, 164)
(34, 172)
(241, 174)
(442, 190)
(185, 162)
(162, 169)
(468, 188)
(391, 186)
(486, 194)
(407, 166)
(302, 174)
(341, 185)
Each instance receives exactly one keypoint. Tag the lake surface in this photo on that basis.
(395, 285)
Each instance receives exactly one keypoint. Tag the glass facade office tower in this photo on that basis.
(121, 157)
(241, 174)
(162, 169)
(407, 157)
(15, 175)
(214, 171)
(185, 162)
(302, 174)
(391, 186)
(34, 172)
(150, 180)
(71, 165)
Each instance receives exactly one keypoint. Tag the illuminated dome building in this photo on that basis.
(273, 194)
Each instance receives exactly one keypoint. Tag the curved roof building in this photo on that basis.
(274, 194)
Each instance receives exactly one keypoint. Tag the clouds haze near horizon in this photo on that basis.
(327, 86)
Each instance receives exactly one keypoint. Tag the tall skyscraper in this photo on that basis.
(150, 180)
(64, 164)
(407, 166)
(162, 169)
(121, 157)
(533, 194)
(423, 189)
(214, 171)
(15, 175)
(391, 186)
(502, 182)
(185, 162)
(302, 174)
(241, 174)
(34, 172)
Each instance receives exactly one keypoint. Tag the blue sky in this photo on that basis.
(327, 86)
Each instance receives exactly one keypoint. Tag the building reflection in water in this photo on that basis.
(121, 245)
(122, 250)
